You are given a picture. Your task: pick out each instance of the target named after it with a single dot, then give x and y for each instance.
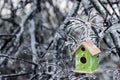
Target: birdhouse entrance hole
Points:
(83, 49)
(83, 60)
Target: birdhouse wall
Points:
(84, 61)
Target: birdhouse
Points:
(86, 60)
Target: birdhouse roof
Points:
(90, 46)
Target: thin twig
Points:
(113, 9)
(15, 75)
(72, 13)
(19, 59)
(104, 7)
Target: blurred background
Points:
(37, 38)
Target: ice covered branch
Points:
(33, 42)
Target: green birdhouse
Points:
(86, 60)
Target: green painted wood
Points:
(91, 61)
